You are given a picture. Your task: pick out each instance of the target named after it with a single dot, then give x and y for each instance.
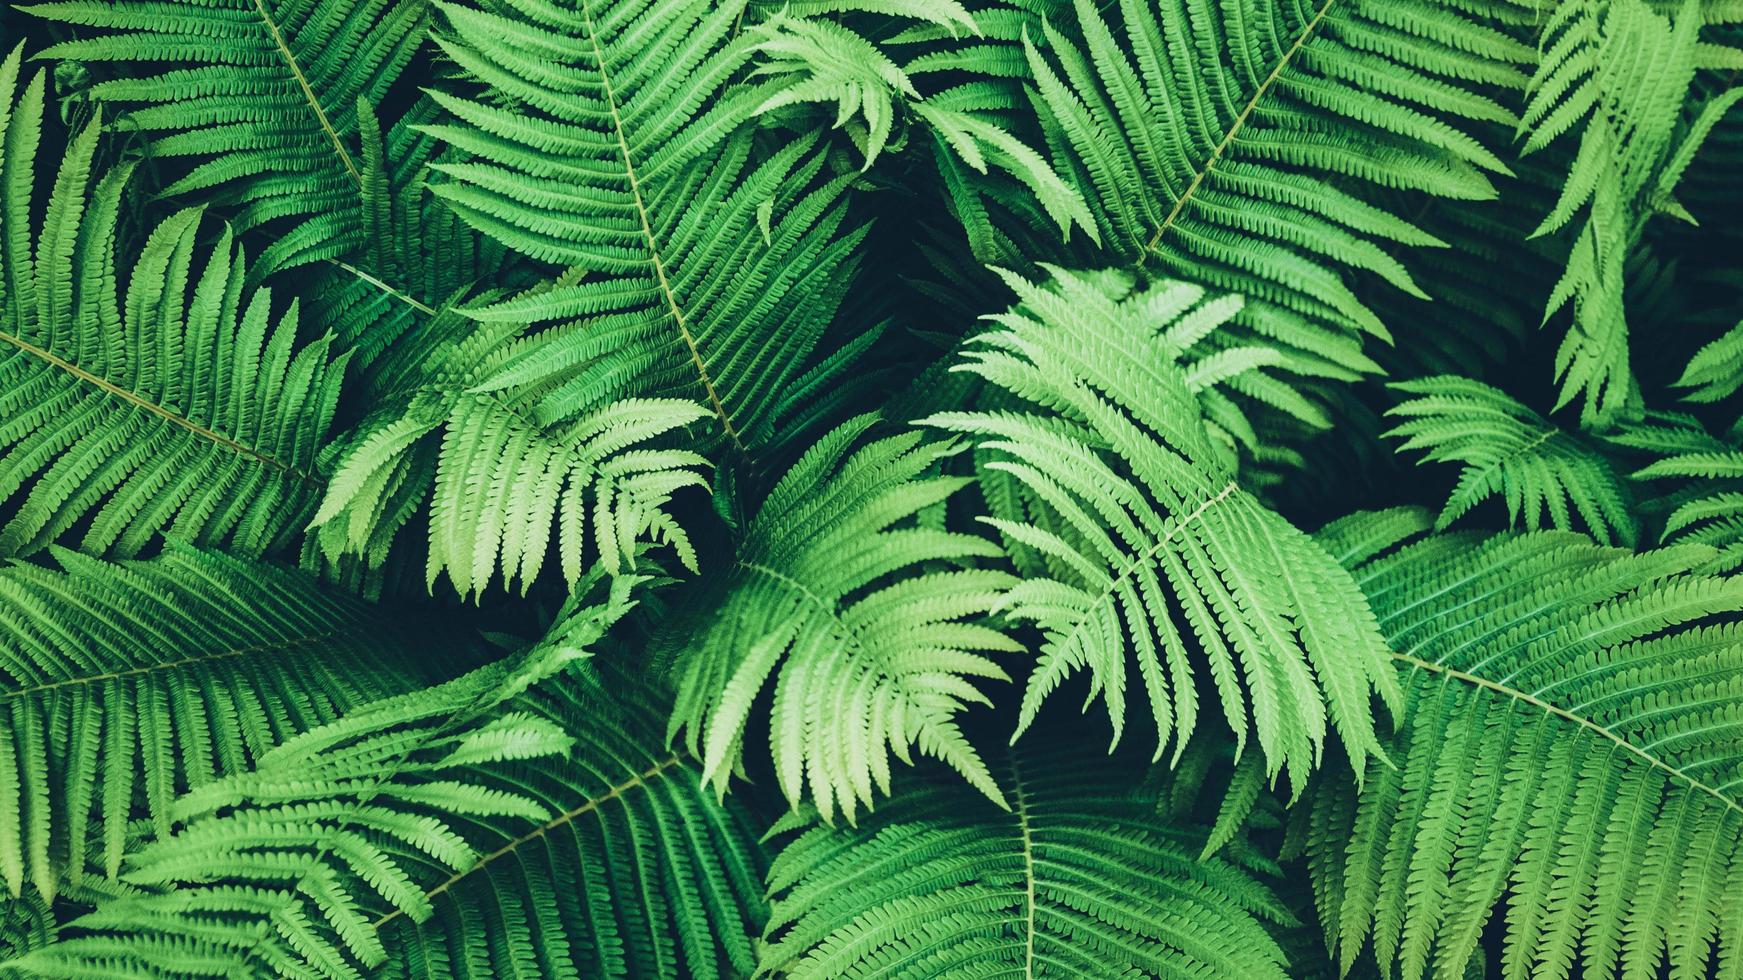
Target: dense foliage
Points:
(871, 488)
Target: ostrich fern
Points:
(638, 488)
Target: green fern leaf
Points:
(1570, 737)
(285, 869)
(179, 408)
(860, 617)
(1229, 144)
(1151, 537)
(261, 98)
(1508, 450)
(570, 896)
(1083, 877)
(712, 269)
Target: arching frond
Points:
(1150, 537)
(260, 97)
(1571, 746)
(284, 869)
(504, 488)
(1219, 142)
(1510, 451)
(1084, 876)
(711, 268)
(124, 684)
(858, 612)
(639, 871)
(144, 397)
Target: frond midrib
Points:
(1557, 711)
(290, 60)
(140, 401)
(639, 780)
(1020, 810)
(186, 662)
(1235, 127)
(648, 230)
(1144, 559)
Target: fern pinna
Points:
(871, 488)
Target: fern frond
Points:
(1570, 746)
(504, 486)
(1510, 451)
(260, 97)
(1083, 877)
(1232, 145)
(282, 870)
(1705, 474)
(858, 613)
(127, 683)
(711, 268)
(1150, 536)
(177, 407)
(570, 896)
(1621, 74)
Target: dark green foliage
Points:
(637, 488)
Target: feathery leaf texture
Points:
(862, 616)
(277, 870)
(179, 408)
(1510, 451)
(260, 97)
(1621, 74)
(1219, 142)
(1150, 539)
(569, 897)
(1570, 737)
(710, 269)
(128, 683)
(1082, 877)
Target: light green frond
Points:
(1082, 877)
(1237, 145)
(861, 616)
(570, 896)
(505, 486)
(259, 97)
(143, 393)
(1510, 451)
(710, 268)
(1570, 748)
(127, 683)
(285, 869)
(1151, 539)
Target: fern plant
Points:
(155, 411)
(636, 488)
(1569, 745)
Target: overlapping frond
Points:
(1618, 75)
(144, 397)
(1571, 746)
(711, 268)
(1235, 144)
(1508, 450)
(503, 488)
(286, 868)
(125, 684)
(1084, 876)
(1149, 538)
(1704, 476)
(859, 612)
(570, 896)
(260, 98)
